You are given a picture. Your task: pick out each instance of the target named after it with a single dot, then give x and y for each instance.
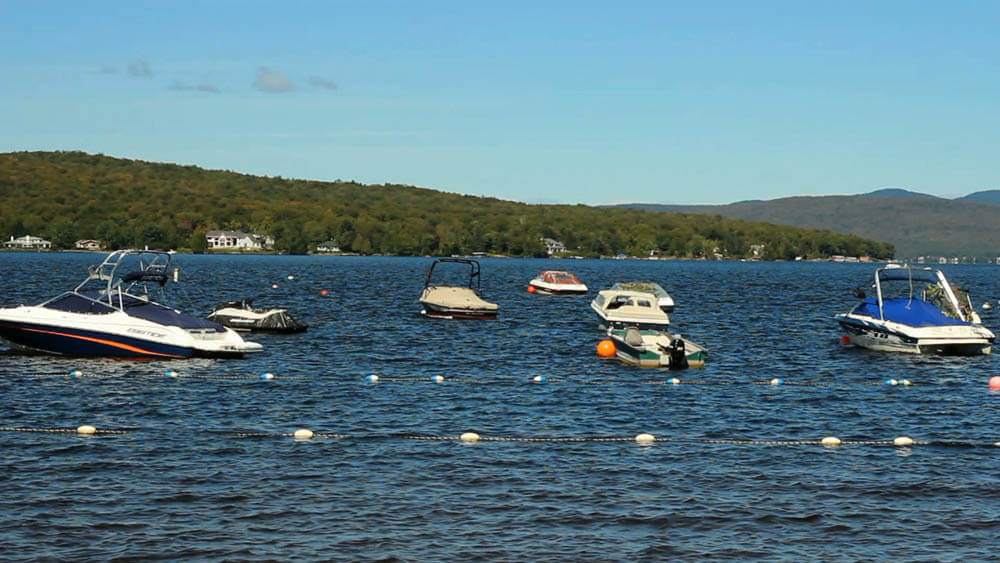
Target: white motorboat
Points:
(663, 299)
(915, 311)
(557, 282)
(619, 308)
(454, 301)
(241, 315)
(655, 348)
(112, 313)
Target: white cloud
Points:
(322, 83)
(272, 81)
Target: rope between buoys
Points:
(534, 439)
(60, 430)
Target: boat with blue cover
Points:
(916, 311)
(112, 313)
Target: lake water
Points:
(205, 467)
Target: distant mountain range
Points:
(917, 224)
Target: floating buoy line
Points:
(644, 438)
(994, 382)
(373, 378)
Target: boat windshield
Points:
(628, 301)
(560, 277)
(908, 285)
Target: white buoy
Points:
(86, 430)
(76, 373)
(903, 441)
(171, 373)
(469, 437)
(830, 441)
(987, 306)
(539, 379)
(891, 382)
(906, 382)
(267, 375)
(777, 381)
(291, 277)
(303, 434)
(645, 438)
(372, 378)
(177, 274)
(675, 381)
(437, 378)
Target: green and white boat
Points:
(656, 348)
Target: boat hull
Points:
(887, 336)
(448, 302)
(436, 311)
(27, 328)
(76, 342)
(544, 288)
(612, 322)
(654, 350)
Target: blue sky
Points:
(550, 102)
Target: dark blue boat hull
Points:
(76, 342)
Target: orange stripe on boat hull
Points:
(111, 343)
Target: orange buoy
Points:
(324, 292)
(531, 289)
(606, 349)
(995, 383)
(845, 339)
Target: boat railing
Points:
(150, 267)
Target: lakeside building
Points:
(553, 246)
(89, 244)
(238, 240)
(328, 246)
(28, 242)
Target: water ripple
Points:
(207, 469)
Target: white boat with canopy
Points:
(619, 308)
(915, 311)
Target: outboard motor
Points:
(678, 355)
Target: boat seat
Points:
(633, 337)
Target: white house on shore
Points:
(328, 246)
(27, 242)
(237, 240)
(553, 246)
(89, 244)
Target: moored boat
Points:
(623, 308)
(557, 282)
(112, 313)
(241, 315)
(915, 311)
(655, 348)
(663, 299)
(453, 301)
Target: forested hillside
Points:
(66, 196)
(916, 224)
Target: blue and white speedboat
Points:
(915, 311)
(112, 314)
